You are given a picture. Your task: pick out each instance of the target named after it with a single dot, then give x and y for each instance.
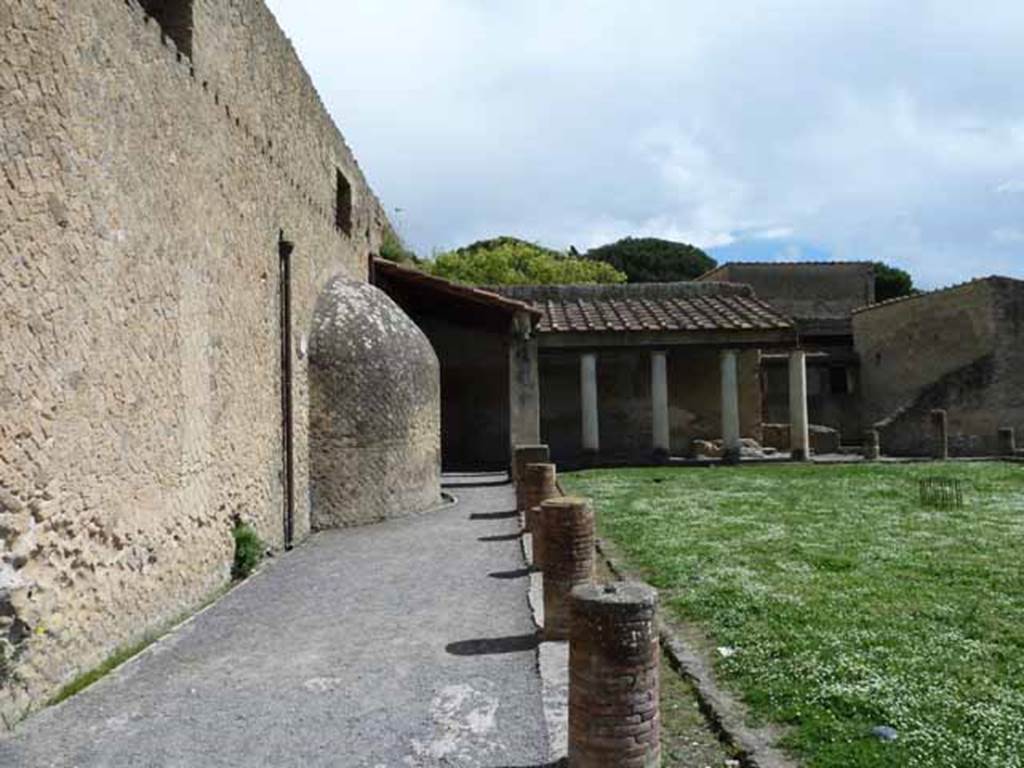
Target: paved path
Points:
(403, 644)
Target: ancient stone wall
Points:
(624, 401)
(805, 290)
(142, 194)
(957, 350)
(907, 345)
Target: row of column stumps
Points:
(1006, 439)
(800, 443)
(614, 651)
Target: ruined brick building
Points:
(886, 366)
(184, 240)
(959, 350)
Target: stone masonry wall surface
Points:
(905, 346)
(958, 350)
(809, 290)
(141, 198)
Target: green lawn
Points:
(844, 604)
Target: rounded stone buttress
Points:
(614, 658)
(374, 412)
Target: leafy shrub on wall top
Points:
(650, 260)
(510, 261)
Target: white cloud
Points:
(1012, 187)
(1008, 235)
(871, 129)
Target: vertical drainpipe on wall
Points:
(284, 251)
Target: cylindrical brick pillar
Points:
(521, 456)
(568, 559)
(872, 445)
(614, 655)
(940, 434)
(1007, 442)
(538, 485)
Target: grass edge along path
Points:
(722, 713)
(836, 605)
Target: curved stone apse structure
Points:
(375, 409)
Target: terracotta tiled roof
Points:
(649, 307)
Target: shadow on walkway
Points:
(500, 537)
(493, 515)
(518, 573)
(491, 645)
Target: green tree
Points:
(892, 282)
(510, 261)
(650, 260)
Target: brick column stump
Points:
(521, 456)
(1007, 442)
(872, 445)
(940, 434)
(568, 559)
(614, 720)
(538, 486)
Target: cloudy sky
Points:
(757, 129)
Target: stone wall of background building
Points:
(808, 289)
(142, 193)
(624, 401)
(957, 350)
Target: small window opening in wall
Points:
(175, 19)
(343, 205)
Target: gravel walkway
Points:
(403, 644)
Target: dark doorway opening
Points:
(284, 254)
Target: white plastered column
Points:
(730, 407)
(588, 402)
(659, 402)
(799, 434)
